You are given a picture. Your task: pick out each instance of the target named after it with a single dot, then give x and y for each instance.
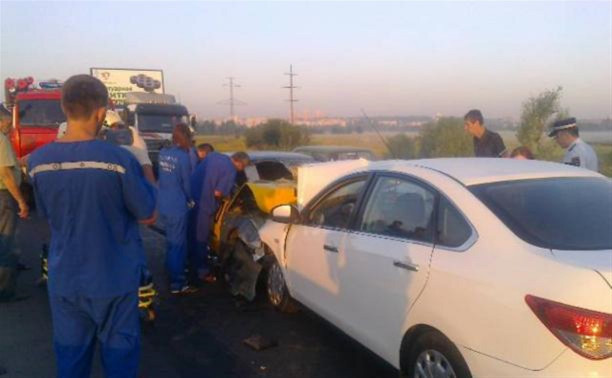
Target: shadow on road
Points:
(196, 336)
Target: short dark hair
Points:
(181, 134)
(474, 115)
(82, 95)
(241, 156)
(522, 151)
(206, 147)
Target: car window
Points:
(453, 229)
(159, 123)
(336, 209)
(273, 171)
(352, 155)
(399, 208)
(556, 213)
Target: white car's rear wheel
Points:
(433, 364)
(434, 356)
(276, 288)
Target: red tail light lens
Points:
(588, 333)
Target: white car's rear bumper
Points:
(567, 364)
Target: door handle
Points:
(407, 266)
(330, 248)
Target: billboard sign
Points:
(120, 81)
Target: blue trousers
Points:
(198, 249)
(80, 322)
(176, 248)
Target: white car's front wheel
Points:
(434, 356)
(276, 288)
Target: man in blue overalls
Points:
(212, 180)
(93, 195)
(174, 203)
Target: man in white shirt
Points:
(577, 152)
(138, 147)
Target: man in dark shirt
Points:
(486, 143)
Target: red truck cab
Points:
(36, 116)
(36, 112)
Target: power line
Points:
(291, 87)
(232, 101)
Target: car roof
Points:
(473, 171)
(325, 148)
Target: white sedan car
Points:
(456, 267)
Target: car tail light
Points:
(588, 333)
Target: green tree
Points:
(276, 134)
(536, 114)
(445, 138)
(402, 147)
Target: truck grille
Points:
(154, 145)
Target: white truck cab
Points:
(154, 115)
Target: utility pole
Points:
(232, 101)
(291, 87)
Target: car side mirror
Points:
(285, 214)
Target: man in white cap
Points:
(137, 146)
(577, 152)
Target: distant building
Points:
(321, 122)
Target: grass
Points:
(227, 143)
(222, 143)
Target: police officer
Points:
(93, 195)
(577, 152)
(486, 143)
(174, 203)
(212, 181)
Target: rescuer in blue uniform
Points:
(93, 195)
(212, 180)
(174, 203)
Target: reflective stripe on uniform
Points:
(77, 165)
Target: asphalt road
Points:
(196, 336)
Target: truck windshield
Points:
(33, 113)
(556, 213)
(159, 123)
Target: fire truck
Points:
(36, 112)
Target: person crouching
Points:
(174, 203)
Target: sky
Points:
(389, 58)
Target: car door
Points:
(313, 247)
(386, 261)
